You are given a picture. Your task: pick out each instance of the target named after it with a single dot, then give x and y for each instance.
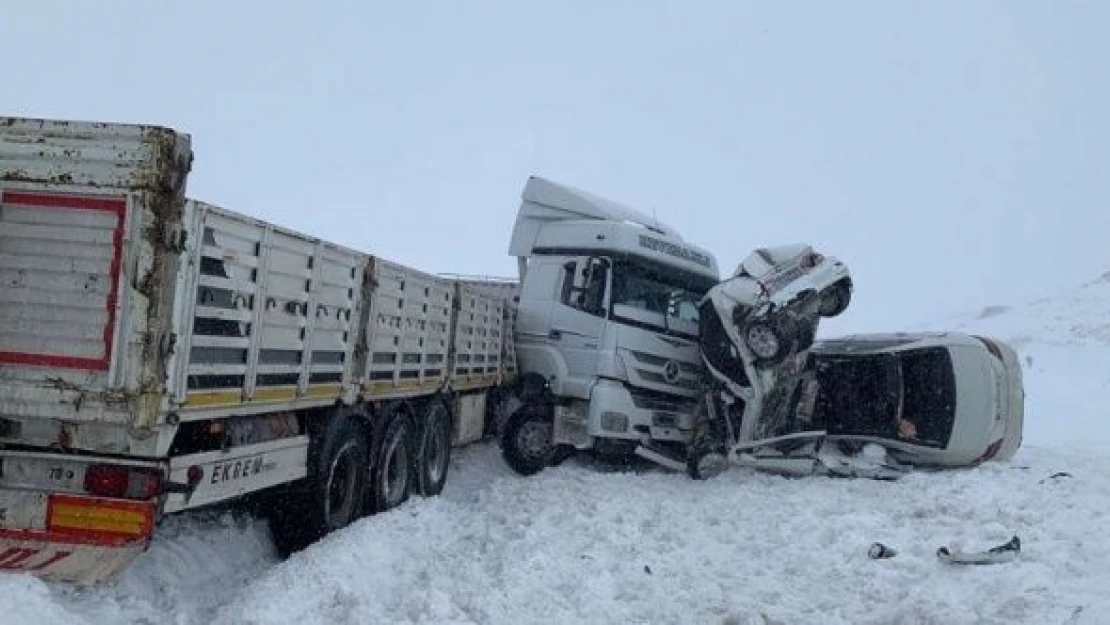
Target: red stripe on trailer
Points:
(114, 205)
(72, 538)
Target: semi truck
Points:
(159, 354)
(607, 331)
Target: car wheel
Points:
(526, 441)
(835, 299)
(765, 341)
(433, 450)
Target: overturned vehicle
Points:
(865, 405)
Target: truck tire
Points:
(526, 442)
(433, 449)
(390, 473)
(333, 494)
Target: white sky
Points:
(954, 153)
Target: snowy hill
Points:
(587, 543)
(1064, 341)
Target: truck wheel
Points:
(835, 299)
(390, 482)
(765, 341)
(433, 450)
(526, 442)
(333, 495)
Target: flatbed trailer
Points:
(160, 354)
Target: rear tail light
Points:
(113, 480)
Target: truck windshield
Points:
(663, 298)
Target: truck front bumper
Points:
(616, 413)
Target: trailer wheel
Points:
(390, 476)
(433, 450)
(333, 494)
(526, 442)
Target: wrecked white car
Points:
(868, 405)
(773, 302)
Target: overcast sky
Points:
(955, 153)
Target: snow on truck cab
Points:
(159, 354)
(606, 332)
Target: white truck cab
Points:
(606, 330)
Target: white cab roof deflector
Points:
(545, 202)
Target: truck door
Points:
(578, 321)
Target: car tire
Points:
(333, 494)
(526, 441)
(835, 299)
(432, 459)
(766, 341)
(391, 474)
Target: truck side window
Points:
(568, 284)
(595, 287)
(584, 284)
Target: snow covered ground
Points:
(590, 543)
